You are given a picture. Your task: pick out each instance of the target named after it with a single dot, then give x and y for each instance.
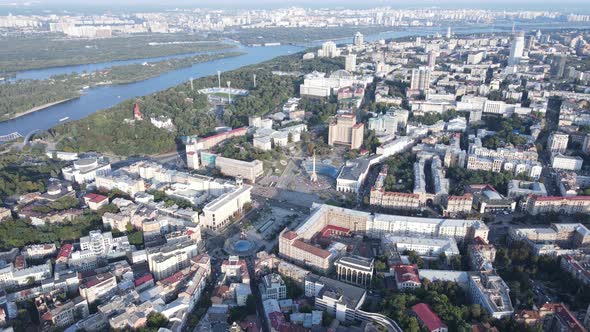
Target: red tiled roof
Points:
(404, 273)
(276, 319)
(65, 251)
(428, 317)
(176, 277)
(233, 131)
(143, 280)
(331, 229)
(97, 279)
(559, 198)
(483, 327)
(290, 327)
(399, 194)
(95, 198)
(466, 197)
(290, 235)
(221, 290)
(311, 249)
(46, 317)
(568, 318)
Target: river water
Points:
(99, 98)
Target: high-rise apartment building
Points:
(350, 62)
(431, 59)
(517, 49)
(345, 130)
(329, 50)
(358, 39)
(420, 79)
(558, 66)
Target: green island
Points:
(35, 52)
(107, 131)
(22, 97)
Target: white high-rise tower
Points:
(358, 39)
(350, 62)
(517, 49)
(420, 79)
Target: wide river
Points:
(99, 98)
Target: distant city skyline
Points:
(151, 5)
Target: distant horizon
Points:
(17, 7)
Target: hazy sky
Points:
(136, 4)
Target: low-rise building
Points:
(564, 205)
(39, 251)
(428, 318)
(339, 299)
(562, 319)
(557, 239)
(247, 170)
(95, 201)
(578, 267)
(378, 197)
(458, 205)
(481, 255)
(518, 189)
(406, 276)
(273, 287)
(85, 170)
(352, 175)
(120, 180)
(570, 163)
(491, 292)
(355, 270)
(297, 245)
(423, 246)
(168, 259)
(219, 212)
(488, 200)
(55, 314)
(98, 286)
(11, 275)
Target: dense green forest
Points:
(460, 177)
(21, 96)
(33, 52)
(400, 173)
(18, 233)
(518, 266)
(446, 299)
(508, 131)
(107, 130)
(241, 148)
(18, 177)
